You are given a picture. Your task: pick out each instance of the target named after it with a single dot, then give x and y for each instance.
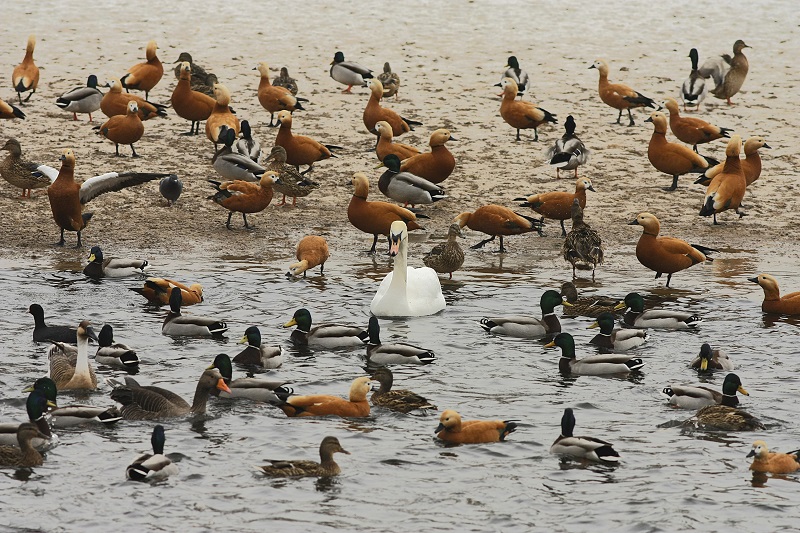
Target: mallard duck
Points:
(36, 406)
(115, 102)
(82, 99)
(557, 205)
(386, 144)
(356, 405)
(400, 400)
(301, 150)
(635, 316)
(453, 430)
(25, 455)
(726, 190)
(788, 304)
(294, 468)
(324, 335)
(159, 291)
(436, 165)
(284, 80)
(258, 353)
(497, 220)
(312, 251)
(618, 95)
(77, 373)
(724, 418)
(196, 70)
(692, 130)
(447, 257)
(390, 81)
(398, 353)
(152, 466)
(233, 165)
(711, 359)
(728, 72)
(582, 246)
(24, 174)
(374, 112)
(112, 267)
(9, 111)
(256, 389)
(568, 152)
(243, 197)
(44, 333)
(665, 254)
(673, 158)
(591, 306)
(514, 72)
(581, 447)
(593, 365)
(522, 115)
(406, 291)
(406, 187)
(348, 72)
(526, 326)
(176, 324)
(246, 144)
(274, 98)
(694, 90)
(290, 181)
(773, 462)
(73, 415)
(617, 340)
(149, 403)
(114, 353)
(170, 188)
(697, 397)
(221, 115)
(751, 164)
(26, 75)
(145, 76)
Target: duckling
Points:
(398, 353)
(256, 389)
(751, 165)
(26, 75)
(617, 340)
(377, 217)
(522, 115)
(593, 365)
(694, 90)
(294, 468)
(497, 220)
(389, 80)
(44, 333)
(285, 81)
(159, 290)
(112, 353)
(115, 102)
(325, 335)
(405, 186)
(635, 316)
(711, 359)
(110, 267)
(665, 254)
(348, 73)
(789, 304)
(591, 306)
(618, 95)
(221, 115)
(170, 188)
(692, 130)
(557, 205)
(514, 72)
(290, 182)
(152, 403)
(581, 447)
(773, 462)
(176, 324)
(145, 76)
(436, 165)
(126, 129)
(356, 405)
(582, 246)
(246, 145)
(529, 327)
(274, 98)
(82, 99)
(373, 112)
(152, 466)
(385, 145)
(189, 104)
(568, 152)
(312, 251)
(447, 257)
(453, 430)
(673, 158)
(243, 197)
(403, 401)
(232, 165)
(9, 111)
(735, 69)
(22, 173)
(258, 353)
(697, 397)
(72, 371)
(300, 150)
(26, 455)
(36, 407)
(727, 188)
(73, 415)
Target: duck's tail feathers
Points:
(511, 427)
(301, 99)
(708, 208)
(87, 216)
(298, 105)
(218, 328)
(634, 364)
(561, 159)
(536, 224)
(607, 453)
(710, 160)
(703, 180)
(62, 103)
(642, 100)
(725, 132)
(487, 324)
(17, 112)
(363, 336)
(705, 250)
(411, 123)
(110, 416)
(548, 116)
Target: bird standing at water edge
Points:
(243, 197)
(582, 246)
(448, 257)
(672, 158)
(312, 251)
(557, 205)
(497, 220)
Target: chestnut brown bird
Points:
(618, 95)
(26, 75)
(274, 98)
(115, 102)
(190, 104)
(300, 150)
(519, 114)
(144, 76)
(497, 220)
(126, 129)
(243, 196)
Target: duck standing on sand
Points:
(568, 152)
(751, 165)
(144, 76)
(694, 90)
(557, 205)
(406, 187)
(727, 188)
(495, 220)
(521, 115)
(243, 197)
(300, 150)
(26, 75)
(348, 72)
(390, 81)
(514, 72)
(189, 104)
(436, 165)
(728, 72)
(618, 95)
(373, 112)
(672, 158)
(22, 173)
(290, 182)
(126, 129)
(82, 99)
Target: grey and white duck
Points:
(84, 100)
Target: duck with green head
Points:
(635, 315)
(256, 389)
(711, 359)
(697, 397)
(327, 335)
(528, 326)
(36, 406)
(593, 365)
(72, 415)
(258, 353)
(617, 340)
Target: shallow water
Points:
(398, 477)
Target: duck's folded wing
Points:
(244, 162)
(115, 181)
(355, 67)
(79, 93)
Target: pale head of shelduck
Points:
(133, 107)
(267, 179)
(659, 121)
(752, 145)
(115, 86)
(584, 184)
(768, 283)
(441, 136)
(263, 68)
(734, 147)
(602, 67)
(186, 70)
(285, 119)
(376, 88)
(361, 184)
(510, 88)
(197, 289)
(221, 94)
(150, 52)
(67, 158)
(450, 421)
(760, 450)
(360, 388)
(462, 219)
(384, 129)
(672, 106)
(649, 222)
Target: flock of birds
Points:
(412, 178)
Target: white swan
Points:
(406, 291)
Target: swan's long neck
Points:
(82, 363)
(400, 276)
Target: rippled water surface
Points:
(398, 477)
